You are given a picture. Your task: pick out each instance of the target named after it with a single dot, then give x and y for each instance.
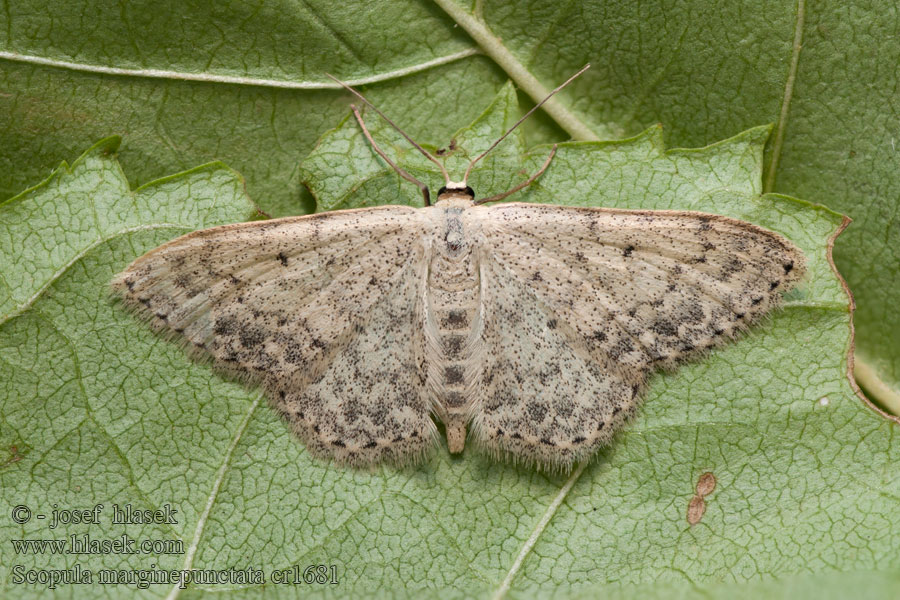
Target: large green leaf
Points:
(189, 82)
(99, 409)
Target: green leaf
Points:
(187, 83)
(99, 409)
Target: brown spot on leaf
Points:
(695, 511)
(706, 484)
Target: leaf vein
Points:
(538, 530)
(213, 494)
(81, 254)
(778, 143)
(233, 79)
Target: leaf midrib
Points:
(234, 79)
(780, 128)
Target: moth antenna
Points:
(519, 122)
(401, 172)
(525, 183)
(425, 152)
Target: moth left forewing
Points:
(299, 277)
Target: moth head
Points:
(450, 187)
(455, 189)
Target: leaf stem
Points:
(494, 48)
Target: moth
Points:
(529, 329)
